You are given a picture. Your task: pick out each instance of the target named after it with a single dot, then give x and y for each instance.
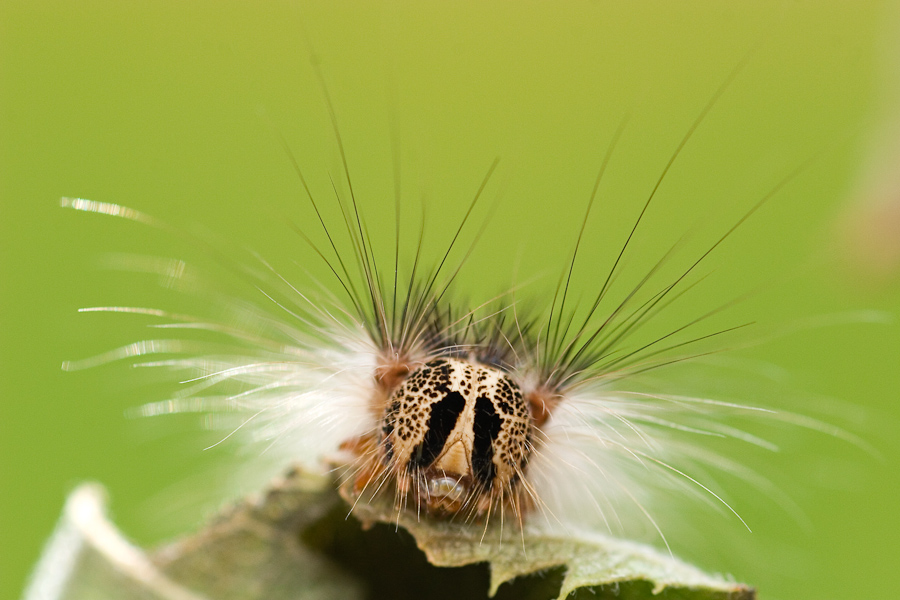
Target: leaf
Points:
(588, 560)
(297, 542)
(250, 552)
(253, 552)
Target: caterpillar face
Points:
(459, 433)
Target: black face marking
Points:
(486, 429)
(444, 414)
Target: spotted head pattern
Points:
(457, 433)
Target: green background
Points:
(176, 109)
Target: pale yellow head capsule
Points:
(459, 433)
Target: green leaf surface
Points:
(589, 561)
(297, 541)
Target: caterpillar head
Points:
(457, 435)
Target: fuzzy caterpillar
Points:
(490, 412)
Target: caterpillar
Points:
(495, 410)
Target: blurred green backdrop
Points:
(176, 108)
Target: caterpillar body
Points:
(478, 413)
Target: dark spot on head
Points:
(444, 414)
(486, 429)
